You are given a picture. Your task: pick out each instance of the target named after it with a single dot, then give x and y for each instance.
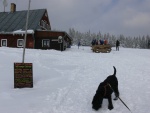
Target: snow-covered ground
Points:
(65, 82)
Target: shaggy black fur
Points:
(105, 89)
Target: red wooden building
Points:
(39, 35)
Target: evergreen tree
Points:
(129, 42)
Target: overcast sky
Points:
(127, 17)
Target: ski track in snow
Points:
(65, 82)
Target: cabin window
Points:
(44, 24)
(48, 27)
(20, 43)
(45, 43)
(4, 42)
(46, 14)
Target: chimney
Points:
(13, 7)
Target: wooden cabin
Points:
(39, 34)
(50, 40)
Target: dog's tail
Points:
(114, 71)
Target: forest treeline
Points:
(127, 42)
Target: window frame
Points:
(18, 42)
(2, 42)
(46, 43)
(46, 14)
(45, 24)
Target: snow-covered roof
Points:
(23, 32)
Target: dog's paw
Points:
(116, 98)
(110, 107)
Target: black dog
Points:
(105, 89)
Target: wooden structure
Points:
(50, 40)
(101, 48)
(41, 37)
(23, 75)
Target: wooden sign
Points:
(23, 75)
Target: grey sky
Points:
(127, 17)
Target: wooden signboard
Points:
(23, 75)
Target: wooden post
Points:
(26, 33)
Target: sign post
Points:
(5, 4)
(23, 72)
(26, 33)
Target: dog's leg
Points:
(101, 101)
(110, 105)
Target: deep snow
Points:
(65, 82)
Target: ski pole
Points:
(124, 104)
(120, 99)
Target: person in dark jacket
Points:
(79, 44)
(117, 45)
(93, 42)
(101, 42)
